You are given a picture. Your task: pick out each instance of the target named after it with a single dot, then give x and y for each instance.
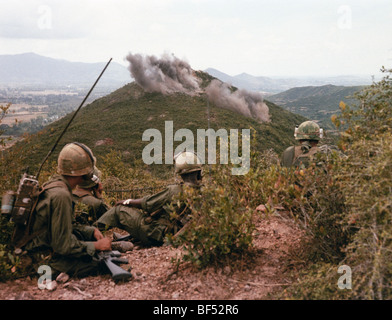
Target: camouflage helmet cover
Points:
(75, 159)
(186, 162)
(308, 130)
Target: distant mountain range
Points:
(269, 85)
(33, 69)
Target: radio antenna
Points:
(73, 116)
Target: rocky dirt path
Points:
(154, 278)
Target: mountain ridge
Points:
(33, 69)
(275, 85)
(316, 102)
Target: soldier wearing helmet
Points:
(71, 247)
(150, 218)
(89, 192)
(309, 134)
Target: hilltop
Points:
(118, 120)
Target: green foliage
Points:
(319, 281)
(363, 179)
(221, 224)
(4, 110)
(125, 114)
(366, 176)
(316, 102)
(7, 264)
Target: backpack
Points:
(23, 211)
(302, 159)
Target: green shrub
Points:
(221, 225)
(363, 178)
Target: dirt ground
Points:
(154, 276)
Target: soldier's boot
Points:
(122, 246)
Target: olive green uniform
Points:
(96, 207)
(71, 246)
(299, 156)
(150, 224)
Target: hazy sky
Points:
(263, 38)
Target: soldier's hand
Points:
(127, 202)
(98, 234)
(123, 202)
(104, 244)
(98, 190)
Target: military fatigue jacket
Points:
(150, 224)
(55, 211)
(298, 156)
(152, 203)
(96, 206)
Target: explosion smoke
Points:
(249, 104)
(165, 75)
(169, 74)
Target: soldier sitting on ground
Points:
(149, 219)
(90, 194)
(71, 247)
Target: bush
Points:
(363, 180)
(221, 225)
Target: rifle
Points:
(110, 258)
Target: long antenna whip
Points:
(73, 116)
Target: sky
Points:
(262, 38)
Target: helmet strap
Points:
(87, 151)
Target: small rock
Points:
(24, 296)
(175, 295)
(51, 285)
(62, 278)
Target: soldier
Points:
(89, 192)
(70, 247)
(149, 219)
(309, 134)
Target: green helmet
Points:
(186, 162)
(89, 183)
(308, 130)
(75, 159)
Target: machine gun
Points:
(110, 258)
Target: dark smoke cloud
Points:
(249, 104)
(167, 74)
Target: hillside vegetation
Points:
(341, 203)
(316, 103)
(118, 120)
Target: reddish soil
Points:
(264, 276)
